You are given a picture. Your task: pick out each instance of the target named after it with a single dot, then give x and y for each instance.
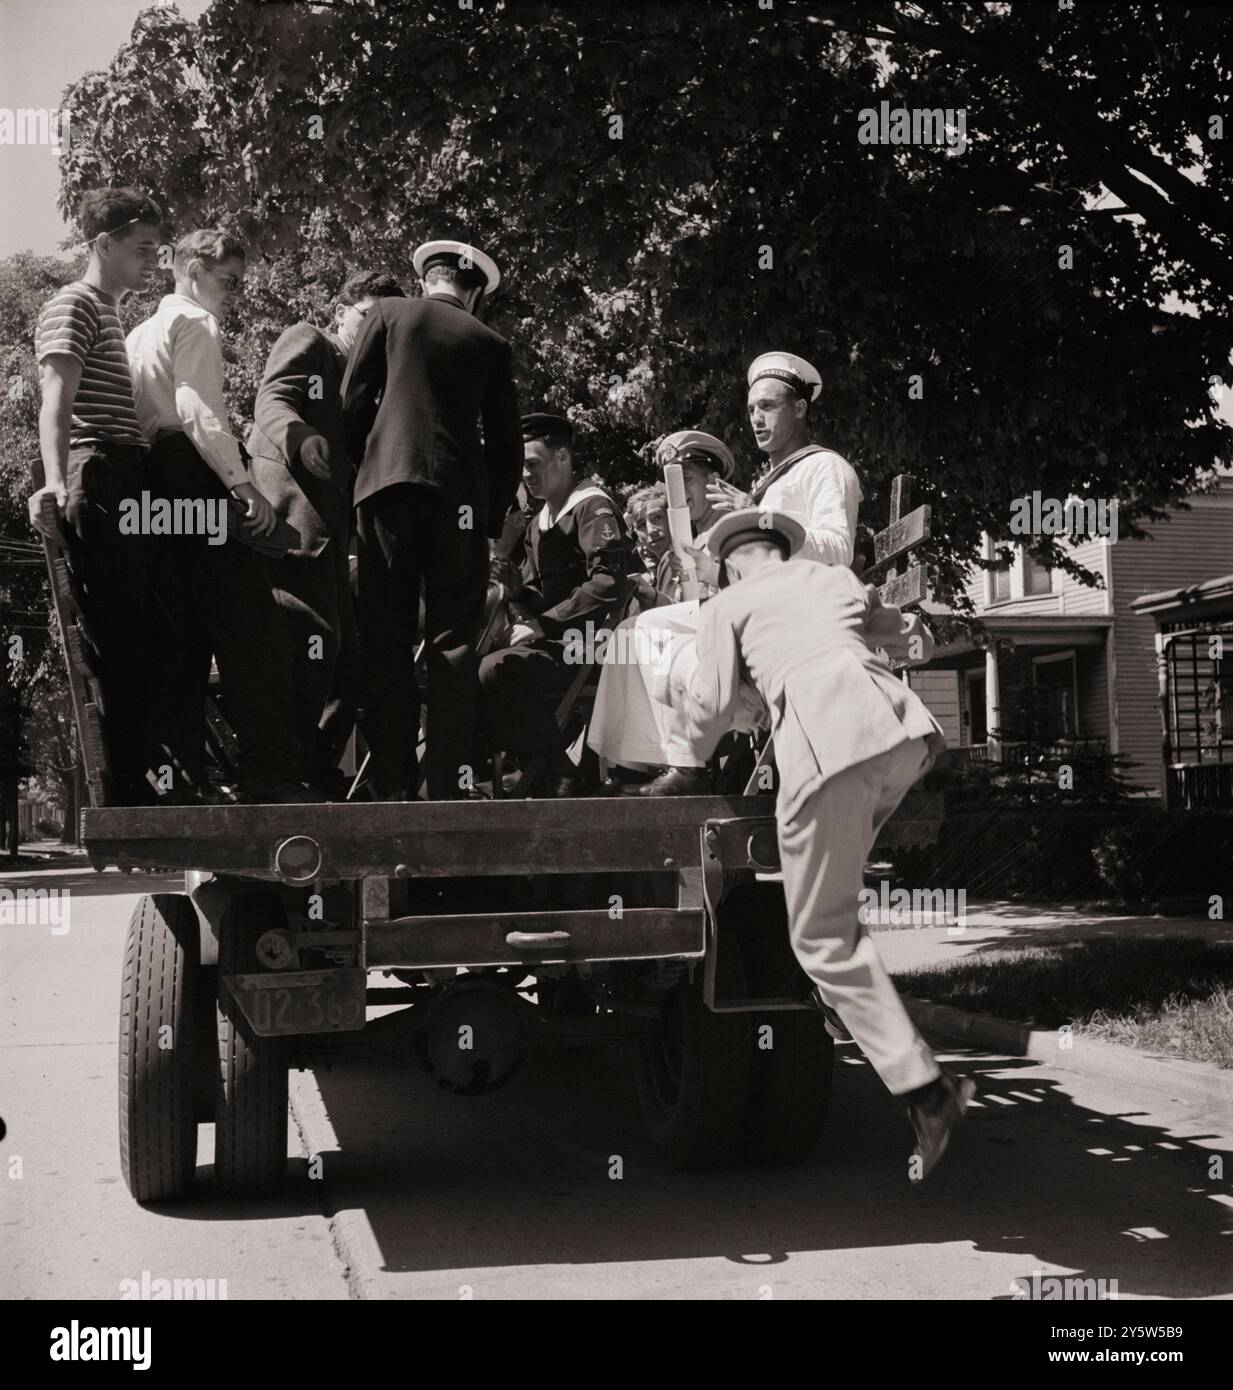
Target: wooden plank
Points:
(901, 495)
(574, 815)
(578, 816)
(903, 589)
(63, 587)
(452, 839)
(900, 536)
(87, 712)
(80, 653)
(442, 839)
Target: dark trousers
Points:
(314, 595)
(520, 689)
(407, 536)
(112, 571)
(218, 601)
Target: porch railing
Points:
(1199, 786)
(1010, 749)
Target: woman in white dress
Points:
(631, 728)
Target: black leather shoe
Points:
(566, 786)
(934, 1114)
(623, 780)
(677, 781)
(513, 781)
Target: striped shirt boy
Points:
(81, 321)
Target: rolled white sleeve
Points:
(197, 366)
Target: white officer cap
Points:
(686, 444)
(459, 255)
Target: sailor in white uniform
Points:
(815, 486)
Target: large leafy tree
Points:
(1132, 97)
(673, 188)
(34, 703)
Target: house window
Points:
(1037, 578)
(978, 728)
(1057, 695)
(1001, 585)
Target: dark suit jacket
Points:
(300, 395)
(422, 375)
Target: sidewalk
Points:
(33, 855)
(995, 925)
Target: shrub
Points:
(1126, 853)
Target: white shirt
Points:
(176, 359)
(823, 494)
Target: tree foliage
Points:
(34, 702)
(737, 212)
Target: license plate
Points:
(301, 1001)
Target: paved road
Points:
(70, 1228)
(514, 1195)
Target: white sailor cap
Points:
(787, 367)
(459, 255)
(696, 444)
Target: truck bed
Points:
(448, 839)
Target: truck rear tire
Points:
(791, 1067)
(789, 1090)
(250, 1096)
(159, 1000)
(693, 1086)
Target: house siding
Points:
(1191, 547)
(1076, 597)
(940, 691)
(1068, 596)
(1091, 669)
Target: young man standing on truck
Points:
(850, 739)
(300, 466)
(94, 458)
(217, 594)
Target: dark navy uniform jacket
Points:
(574, 570)
(288, 411)
(423, 374)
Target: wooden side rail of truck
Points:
(503, 928)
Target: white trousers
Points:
(823, 848)
(629, 726)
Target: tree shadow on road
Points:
(525, 1177)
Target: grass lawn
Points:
(1173, 997)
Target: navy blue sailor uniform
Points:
(573, 576)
